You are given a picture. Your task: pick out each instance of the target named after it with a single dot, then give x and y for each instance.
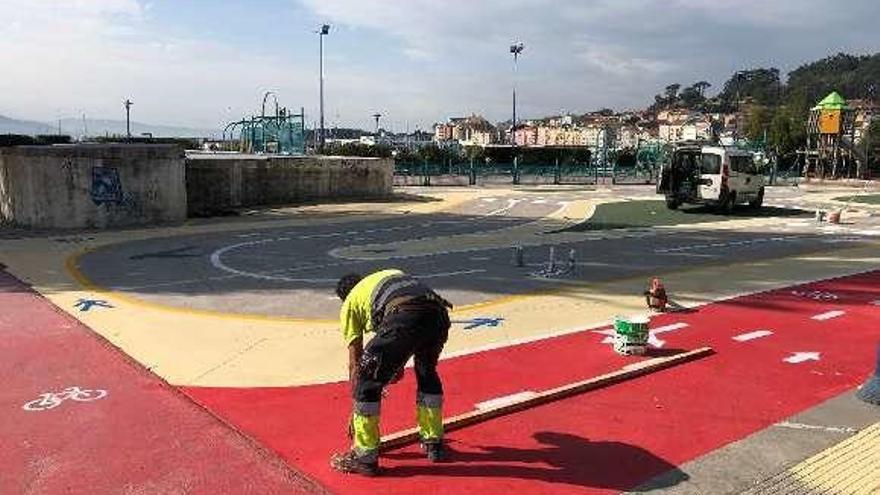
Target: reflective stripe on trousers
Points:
(430, 417)
(365, 428)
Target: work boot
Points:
(348, 462)
(434, 451)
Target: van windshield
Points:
(711, 165)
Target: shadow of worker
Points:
(563, 458)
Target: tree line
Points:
(777, 109)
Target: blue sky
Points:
(202, 63)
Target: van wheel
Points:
(672, 204)
(758, 201)
(728, 203)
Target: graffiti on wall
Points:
(106, 186)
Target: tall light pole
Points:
(324, 31)
(377, 116)
(128, 103)
(515, 49)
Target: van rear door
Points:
(710, 175)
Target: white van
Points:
(720, 176)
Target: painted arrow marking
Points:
(800, 357)
(757, 334)
(829, 315)
(652, 334)
(84, 305)
(480, 322)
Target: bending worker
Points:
(409, 319)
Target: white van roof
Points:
(720, 150)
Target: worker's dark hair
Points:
(346, 283)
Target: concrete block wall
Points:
(218, 182)
(92, 185)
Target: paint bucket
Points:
(631, 335)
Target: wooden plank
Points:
(634, 370)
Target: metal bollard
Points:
(571, 261)
(552, 264)
(518, 256)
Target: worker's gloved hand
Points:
(397, 376)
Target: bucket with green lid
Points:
(631, 334)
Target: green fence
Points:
(470, 173)
(466, 173)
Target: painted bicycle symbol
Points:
(818, 295)
(50, 400)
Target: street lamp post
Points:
(377, 116)
(515, 49)
(324, 31)
(128, 103)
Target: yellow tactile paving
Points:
(851, 467)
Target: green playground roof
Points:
(831, 102)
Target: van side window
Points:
(742, 164)
(711, 165)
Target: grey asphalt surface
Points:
(288, 271)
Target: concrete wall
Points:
(219, 182)
(92, 186)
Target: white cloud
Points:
(426, 60)
(70, 57)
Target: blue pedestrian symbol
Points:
(480, 322)
(86, 304)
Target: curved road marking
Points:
(509, 206)
(217, 262)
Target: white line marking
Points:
(829, 315)
(800, 357)
(539, 201)
(490, 200)
(728, 244)
(802, 426)
(509, 206)
(652, 334)
(507, 399)
(757, 334)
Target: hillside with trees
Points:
(778, 109)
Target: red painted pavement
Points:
(142, 437)
(604, 441)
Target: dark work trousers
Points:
(418, 330)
